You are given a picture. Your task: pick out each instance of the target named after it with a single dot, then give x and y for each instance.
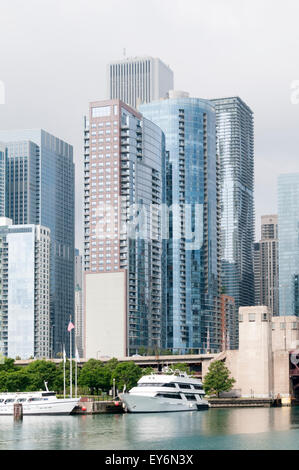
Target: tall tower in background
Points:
(288, 236)
(266, 276)
(40, 186)
(193, 249)
(79, 314)
(235, 147)
(123, 256)
(138, 80)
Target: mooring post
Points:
(18, 411)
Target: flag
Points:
(77, 355)
(64, 355)
(70, 327)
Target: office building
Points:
(193, 256)
(229, 323)
(288, 229)
(123, 259)
(79, 319)
(266, 275)
(235, 147)
(139, 80)
(25, 290)
(40, 190)
(3, 169)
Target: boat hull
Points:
(146, 404)
(57, 407)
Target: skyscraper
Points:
(40, 187)
(79, 320)
(123, 259)
(25, 290)
(266, 263)
(3, 169)
(288, 230)
(138, 80)
(235, 147)
(193, 256)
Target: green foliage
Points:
(96, 376)
(126, 373)
(218, 379)
(148, 371)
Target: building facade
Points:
(235, 147)
(138, 80)
(229, 323)
(79, 315)
(25, 290)
(123, 259)
(40, 189)
(3, 170)
(288, 229)
(193, 263)
(266, 265)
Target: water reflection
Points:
(214, 428)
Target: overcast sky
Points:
(53, 56)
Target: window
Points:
(172, 385)
(101, 111)
(251, 317)
(283, 326)
(175, 396)
(198, 387)
(185, 386)
(264, 317)
(190, 397)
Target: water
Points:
(255, 428)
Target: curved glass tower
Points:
(193, 263)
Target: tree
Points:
(95, 376)
(218, 379)
(126, 373)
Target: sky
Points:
(53, 57)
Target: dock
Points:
(243, 402)
(98, 407)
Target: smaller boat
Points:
(37, 403)
(167, 392)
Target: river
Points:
(231, 428)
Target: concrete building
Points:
(266, 271)
(124, 251)
(266, 363)
(235, 147)
(193, 249)
(25, 290)
(40, 190)
(138, 80)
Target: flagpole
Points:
(64, 371)
(71, 372)
(76, 365)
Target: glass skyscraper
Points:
(24, 290)
(193, 318)
(288, 241)
(40, 190)
(235, 147)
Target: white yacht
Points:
(37, 403)
(166, 392)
